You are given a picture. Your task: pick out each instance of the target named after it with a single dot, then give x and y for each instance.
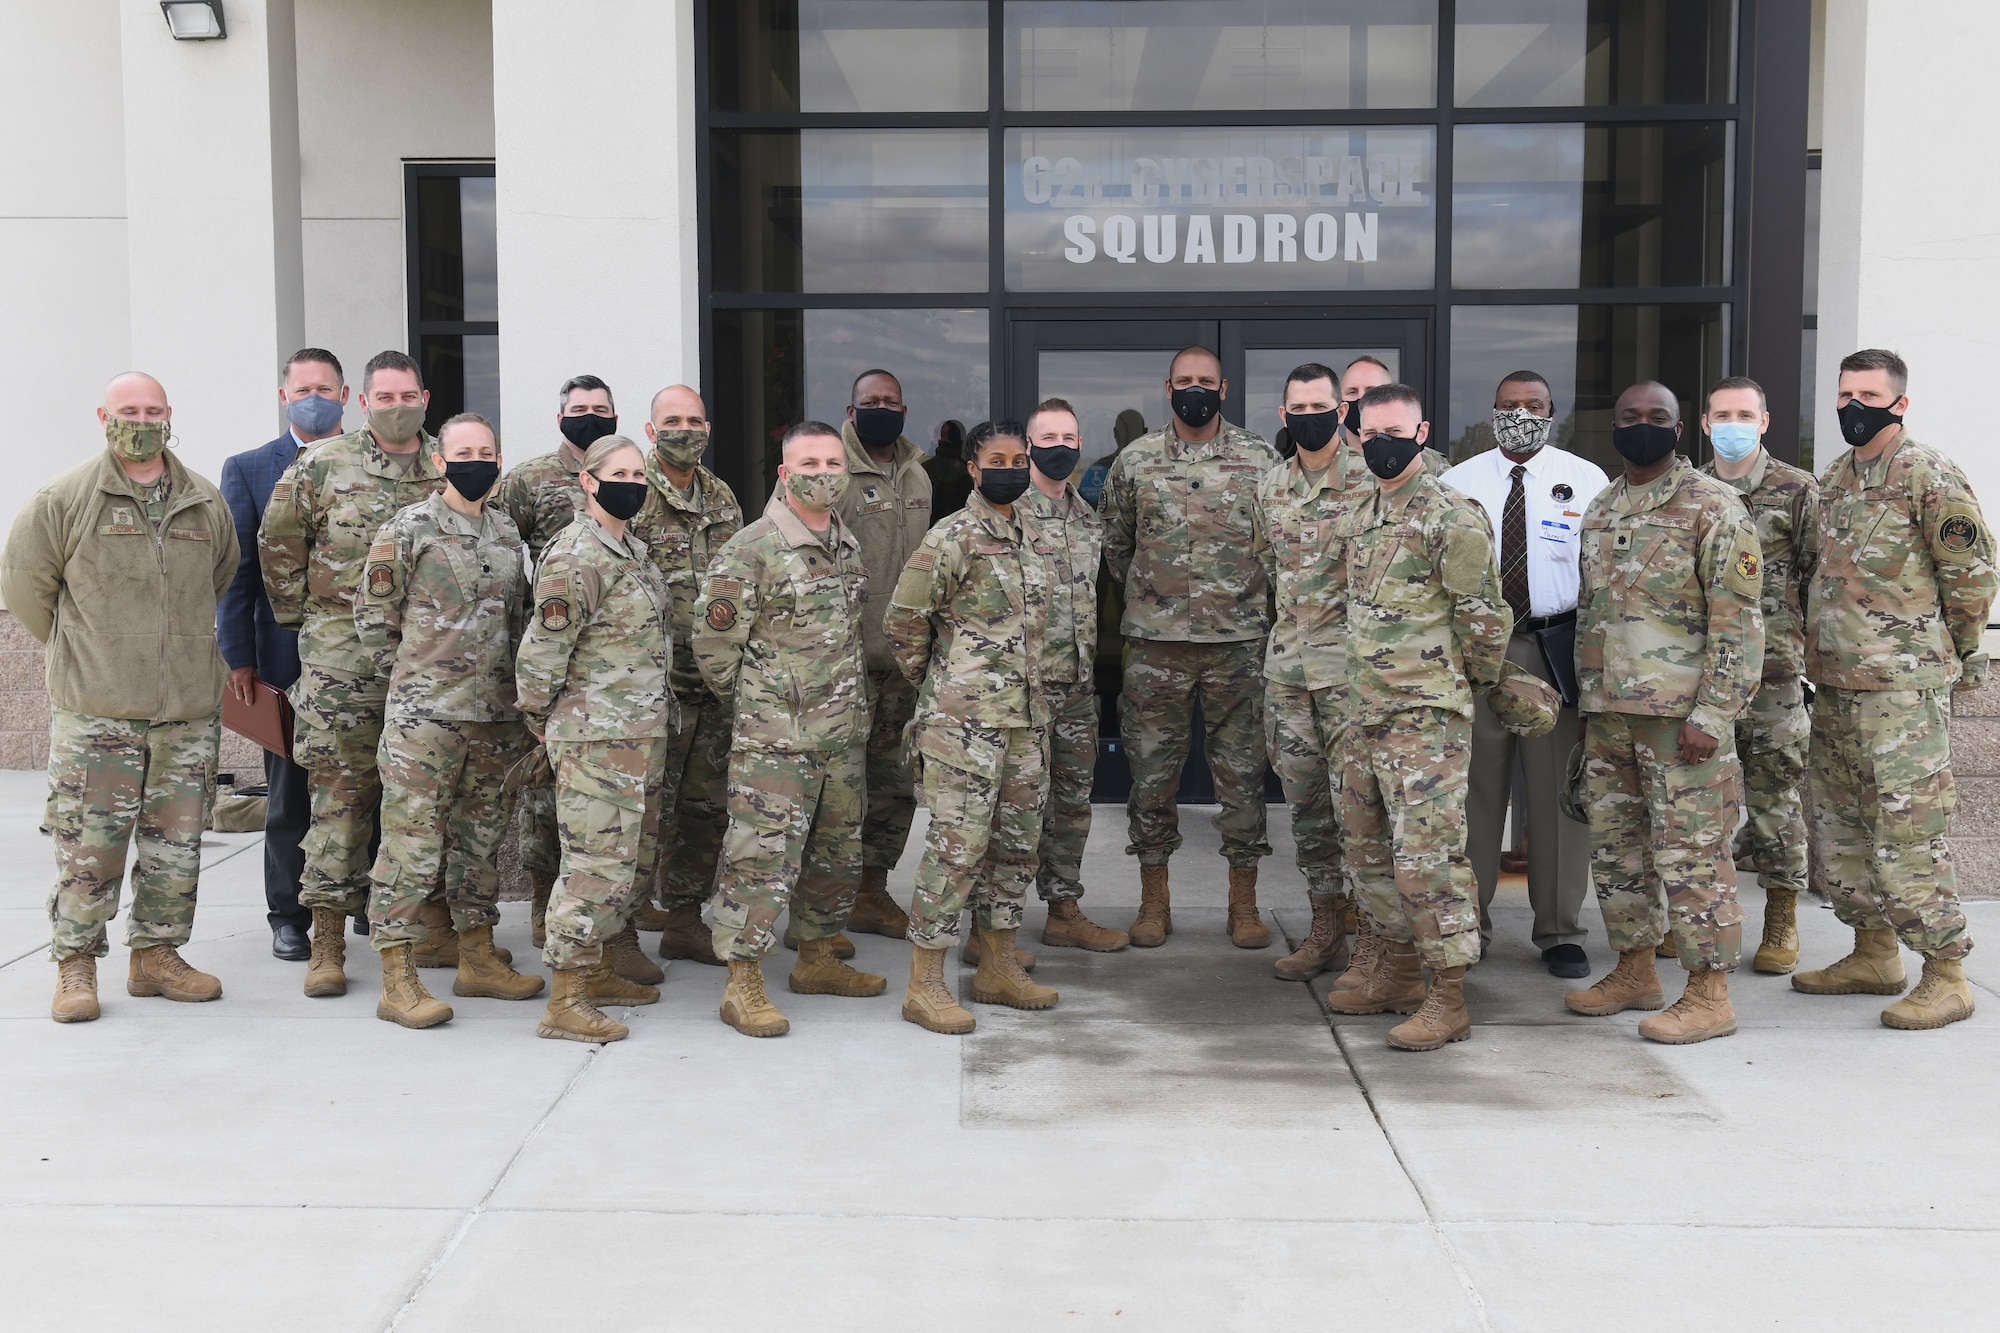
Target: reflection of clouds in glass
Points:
(939, 357)
(893, 210)
(1517, 205)
(1503, 63)
(938, 52)
(482, 376)
(480, 239)
(1490, 341)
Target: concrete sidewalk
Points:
(1184, 1143)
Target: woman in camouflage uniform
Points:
(592, 679)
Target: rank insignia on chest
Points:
(1561, 493)
(381, 581)
(1958, 533)
(1746, 564)
(555, 614)
(123, 517)
(721, 614)
(870, 494)
(1622, 542)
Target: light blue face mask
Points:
(315, 415)
(1733, 440)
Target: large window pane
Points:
(462, 372)
(849, 210)
(1594, 52)
(1163, 209)
(847, 55)
(1589, 355)
(1591, 205)
(1264, 371)
(1220, 55)
(457, 260)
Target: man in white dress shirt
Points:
(1534, 495)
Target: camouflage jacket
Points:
(1905, 574)
(543, 496)
(778, 628)
(1297, 545)
(594, 660)
(1181, 536)
(888, 509)
(682, 534)
(441, 612)
(1667, 601)
(967, 620)
(323, 515)
(1784, 506)
(1428, 625)
(1069, 538)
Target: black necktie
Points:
(1514, 548)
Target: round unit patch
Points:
(381, 580)
(721, 614)
(1958, 533)
(1562, 493)
(555, 613)
(1746, 565)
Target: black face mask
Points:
(1860, 423)
(1351, 423)
(472, 477)
(878, 427)
(1196, 405)
(1002, 485)
(1643, 444)
(586, 430)
(1388, 455)
(1312, 431)
(620, 499)
(1056, 461)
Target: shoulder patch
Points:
(553, 583)
(554, 613)
(381, 580)
(923, 559)
(282, 492)
(1958, 533)
(1466, 556)
(725, 588)
(382, 551)
(1745, 574)
(721, 612)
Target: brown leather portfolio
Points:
(266, 720)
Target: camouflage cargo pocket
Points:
(1904, 734)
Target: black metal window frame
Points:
(1763, 298)
(413, 295)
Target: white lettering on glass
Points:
(1239, 238)
(1076, 230)
(1361, 237)
(1121, 238)
(1159, 231)
(1200, 242)
(1322, 237)
(1280, 247)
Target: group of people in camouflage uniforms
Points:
(692, 711)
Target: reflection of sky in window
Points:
(479, 237)
(935, 55)
(482, 376)
(1517, 205)
(893, 210)
(1490, 341)
(1513, 54)
(1100, 385)
(1265, 368)
(939, 357)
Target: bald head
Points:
(136, 396)
(1648, 400)
(677, 407)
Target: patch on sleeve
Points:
(555, 614)
(913, 589)
(282, 492)
(721, 612)
(554, 583)
(381, 579)
(1959, 533)
(1745, 575)
(1466, 556)
(725, 588)
(923, 559)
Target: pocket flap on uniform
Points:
(1906, 732)
(976, 750)
(1438, 772)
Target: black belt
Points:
(1533, 623)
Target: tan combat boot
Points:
(1779, 953)
(1156, 914)
(439, 947)
(1703, 1011)
(1068, 928)
(573, 1016)
(1396, 983)
(651, 918)
(624, 956)
(404, 999)
(538, 906)
(928, 1001)
(325, 974)
(875, 912)
(842, 946)
(746, 1007)
(1321, 945)
(970, 951)
(1633, 984)
(76, 989)
(1246, 929)
(687, 936)
(1941, 997)
(607, 987)
(820, 971)
(1364, 957)
(1666, 948)
(1874, 968)
(160, 970)
(483, 973)
(1000, 978)
(1442, 1018)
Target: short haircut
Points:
(804, 429)
(855, 387)
(1382, 395)
(318, 356)
(1526, 377)
(605, 446)
(653, 406)
(1310, 371)
(1194, 349)
(1366, 360)
(390, 360)
(1735, 382)
(467, 419)
(576, 382)
(988, 431)
(1877, 358)
(1054, 405)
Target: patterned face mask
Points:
(816, 490)
(681, 449)
(1520, 431)
(136, 441)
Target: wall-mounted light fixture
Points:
(194, 20)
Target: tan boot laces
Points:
(74, 974)
(1775, 926)
(1323, 932)
(1928, 987)
(1367, 946)
(168, 963)
(753, 988)
(1431, 1013)
(327, 947)
(934, 989)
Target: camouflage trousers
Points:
(794, 841)
(892, 794)
(1402, 808)
(694, 794)
(1882, 796)
(542, 851)
(606, 816)
(985, 788)
(444, 812)
(1072, 768)
(1156, 715)
(1771, 740)
(114, 782)
(337, 732)
(1659, 839)
(1303, 730)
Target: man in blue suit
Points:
(257, 647)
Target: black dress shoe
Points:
(289, 942)
(361, 924)
(1567, 960)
